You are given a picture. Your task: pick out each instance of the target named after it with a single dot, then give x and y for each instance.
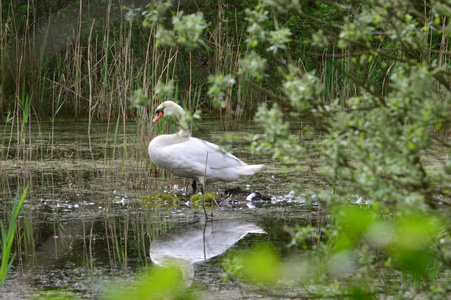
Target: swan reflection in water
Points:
(187, 244)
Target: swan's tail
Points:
(250, 169)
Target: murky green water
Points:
(86, 227)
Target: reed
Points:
(102, 60)
(91, 70)
(8, 237)
(92, 55)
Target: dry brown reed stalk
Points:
(90, 90)
(444, 54)
(78, 65)
(226, 61)
(110, 63)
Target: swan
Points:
(193, 158)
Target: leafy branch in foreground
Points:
(361, 253)
(375, 139)
(377, 144)
(186, 30)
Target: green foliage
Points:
(198, 198)
(279, 39)
(139, 99)
(373, 78)
(155, 12)
(164, 91)
(302, 91)
(256, 19)
(160, 198)
(157, 283)
(275, 132)
(253, 66)
(261, 265)
(219, 88)
(363, 251)
(186, 30)
(374, 140)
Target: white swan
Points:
(185, 156)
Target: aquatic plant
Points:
(199, 198)
(159, 198)
(8, 236)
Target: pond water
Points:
(87, 223)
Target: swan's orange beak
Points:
(158, 115)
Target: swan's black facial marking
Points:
(160, 109)
(158, 114)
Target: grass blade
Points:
(7, 237)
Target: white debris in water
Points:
(290, 197)
(250, 205)
(122, 201)
(360, 201)
(250, 197)
(302, 198)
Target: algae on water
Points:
(197, 198)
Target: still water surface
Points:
(86, 224)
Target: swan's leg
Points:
(194, 185)
(201, 183)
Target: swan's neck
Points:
(184, 133)
(185, 128)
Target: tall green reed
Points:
(7, 236)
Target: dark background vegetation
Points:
(73, 57)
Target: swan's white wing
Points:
(218, 158)
(188, 158)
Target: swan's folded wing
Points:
(196, 151)
(188, 159)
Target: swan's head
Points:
(168, 108)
